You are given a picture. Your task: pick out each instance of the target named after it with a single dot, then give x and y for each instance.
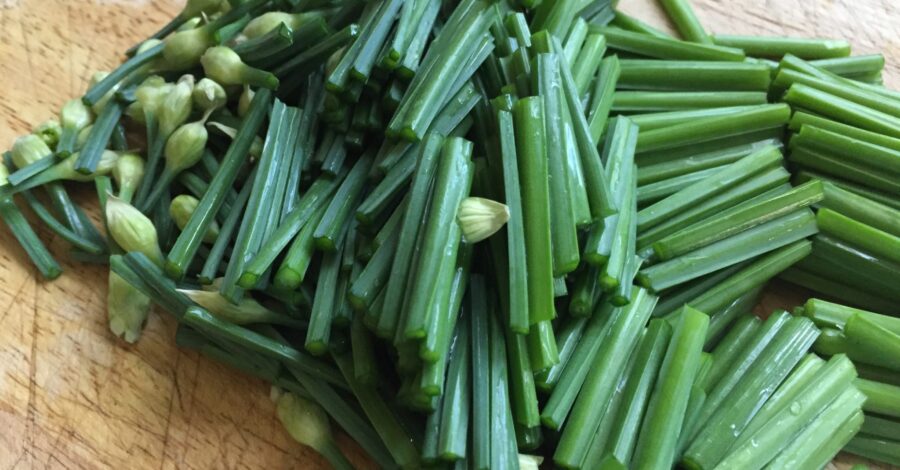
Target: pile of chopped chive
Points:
(484, 234)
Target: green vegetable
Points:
(881, 398)
(531, 148)
(307, 423)
(672, 75)
(658, 438)
(777, 47)
(667, 48)
(624, 327)
(638, 387)
(686, 21)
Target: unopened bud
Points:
(479, 218)
(209, 95)
(181, 210)
(29, 149)
(244, 101)
(226, 67)
(183, 49)
(131, 229)
(185, 147)
(176, 107)
(304, 420)
(128, 173)
(127, 308)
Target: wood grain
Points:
(71, 396)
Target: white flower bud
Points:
(29, 149)
(128, 173)
(185, 147)
(75, 115)
(131, 229)
(304, 420)
(480, 218)
(176, 107)
(127, 309)
(183, 49)
(209, 95)
(225, 66)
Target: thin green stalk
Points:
(723, 427)
(302, 216)
(535, 193)
(727, 351)
(736, 220)
(686, 22)
(831, 387)
(567, 339)
(735, 173)
(630, 23)
(563, 234)
(34, 248)
(624, 328)
(652, 121)
(859, 208)
(743, 246)
(658, 438)
(98, 140)
(752, 276)
(342, 205)
(667, 48)
(777, 47)
(852, 150)
(831, 164)
(680, 75)
(665, 101)
(872, 240)
(602, 96)
(638, 387)
(696, 131)
(842, 110)
(409, 232)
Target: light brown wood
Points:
(71, 396)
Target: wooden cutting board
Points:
(71, 395)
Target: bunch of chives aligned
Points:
(468, 232)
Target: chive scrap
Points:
(777, 47)
(667, 48)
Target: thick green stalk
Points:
(667, 48)
(777, 47)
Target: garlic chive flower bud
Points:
(209, 96)
(152, 93)
(131, 229)
(308, 424)
(181, 210)
(127, 173)
(226, 67)
(267, 22)
(29, 149)
(479, 218)
(183, 49)
(247, 311)
(185, 146)
(74, 117)
(183, 150)
(49, 131)
(245, 100)
(176, 107)
(127, 309)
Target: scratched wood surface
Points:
(71, 396)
